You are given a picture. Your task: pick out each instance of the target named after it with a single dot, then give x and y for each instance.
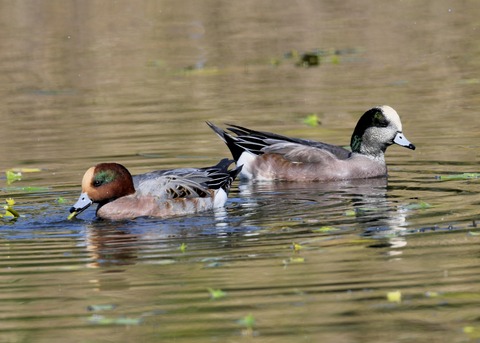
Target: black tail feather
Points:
(229, 140)
(220, 176)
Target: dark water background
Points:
(84, 82)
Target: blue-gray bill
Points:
(81, 205)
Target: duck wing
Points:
(300, 153)
(255, 142)
(186, 182)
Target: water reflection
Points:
(134, 83)
(117, 243)
(362, 202)
(361, 205)
(109, 244)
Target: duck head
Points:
(377, 129)
(101, 184)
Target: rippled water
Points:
(354, 261)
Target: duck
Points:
(160, 193)
(267, 156)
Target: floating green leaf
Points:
(10, 212)
(296, 247)
(463, 176)
(216, 293)
(472, 331)
(13, 176)
(395, 296)
(335, 59)
(291, 260)
(296, 259)
(248, 321)
(183, 247)
(27, 170)
(275, 62)
(469, 296)
(72, 215)
(431, 294)
(28, 189)
(350, 213)
(311, 120)
(194, 71)
(325, 229)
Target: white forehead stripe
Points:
(392, 116)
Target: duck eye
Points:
(97, 183)
(379, 120)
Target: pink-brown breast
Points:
(131, 206)
(276, 167)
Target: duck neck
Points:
(368, 148)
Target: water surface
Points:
(355, 261)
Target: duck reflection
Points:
(361, 205)
(120, 243)
(110, 245)
(362, 202)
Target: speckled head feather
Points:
(376, 130)
(374, 117)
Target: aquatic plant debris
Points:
(292, 260)
(463, 176)
(296, 260)
(102, 307)
(422, 205)
(15, 174)
(195, 71)
(183, 247)
(471, 81)
(10, 212)
(431, 294)
(29, 189)
(315, 57)
(472, 331)
(394, 297)
(248, 322)
(309, 59)
(216, 293)
(359, 211)
(326, 229)
(12, 176)
(102, 320)
(296, 247)
(311, 120)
